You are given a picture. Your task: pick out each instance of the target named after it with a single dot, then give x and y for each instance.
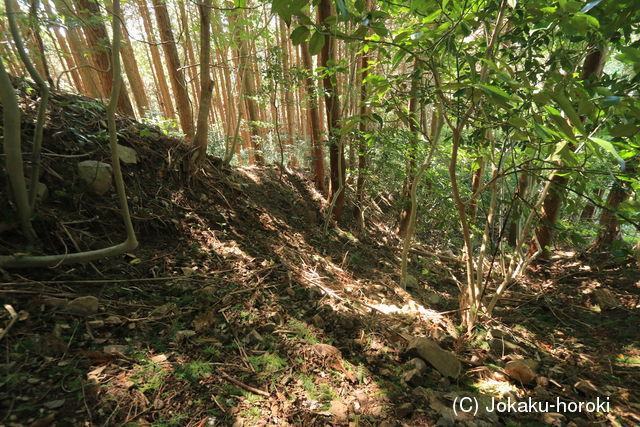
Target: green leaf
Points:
(316, 43)
(300, 35)
(608, 147)
(518, 122)
(287, 8)
(611, 100)
(495, 91)
(568, 109)
(624, 130)
(342, 9)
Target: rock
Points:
(115, 348)
(413, 377)
(254, 337)
(586, 387)
(55, 302)
(605, 299)
(409, 282)
(444, 361)
(418, 364)
(404, 410)
(501, 347)
(434, 299)
(553, 419)
(445, 421)
(54, 404)
(127, 155)
(95, 323)
(83, 306)
(340, 411)
(42, 192)
(318, 321)
(113, 320)
(96, 175)
(522, 370)
(183, 335)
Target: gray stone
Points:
(404, 410)
(444, 361)
(42, 192)
(127, 155)
(96, 175)
(83, 306)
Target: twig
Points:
(98, 281)
(243, 385)
(14, 318)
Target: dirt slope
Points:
(238, 310)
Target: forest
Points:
(320, 213)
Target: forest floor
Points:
(237, 309)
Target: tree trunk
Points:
(610, 226)
(589, 209)
(413, 124)
(516, 203)
(133, 73)
(332, 106)
(96, 36)
(164, 97)
(313, 116)
(206, 88)
(176, 76)
(362, 143)
(552, 204)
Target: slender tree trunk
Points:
(414, 128)
(37, 39)
(332, 105)
(133, 72)
(362, 143)
(176, 76)
(313, 115)
(187, 46)
(67, 56)
(516, 208)
(163, 95)
(206, 89)
(609, 224)
(552, 204)
(247, 90)
(589, 209)
(96, 36)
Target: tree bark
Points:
(332, 106)
(176, 76)
(96, 36)
(609, 224)
(552, 204)
(313, 117)
(413, 124)
(201, 139)
(163, 95)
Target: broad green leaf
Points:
(316, 43)
(300, 35)
(612, 100)
(625, 130)
(495, 91)
(568, 109)
(608, 147)
(518, 122)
